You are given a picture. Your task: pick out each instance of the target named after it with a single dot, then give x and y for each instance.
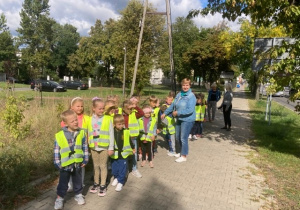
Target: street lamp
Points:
(124, 70)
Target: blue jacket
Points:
(184, 105)
(218, 95)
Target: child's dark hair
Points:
(163, 107)
(153, 98)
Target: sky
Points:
(83, 13)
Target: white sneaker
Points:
(80, 199)
(137, 174)
(115, 182)
(190, 136)
(181, 159)
(119, 187)
(177, 155)
(171, 154)
(195, 137)
(59, 203)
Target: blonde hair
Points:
(114, 98)
(74, 100)
(213, 85)
(153, 98)
(67, 113)
(127, 103)
(96, 101)
(118, 118)
(186, 80)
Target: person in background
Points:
(154, 103)
(123, 148)
(200, 109)
(214, 96)
(183, 109)
(70, 156)
(227, 106)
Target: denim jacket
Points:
(185, 106)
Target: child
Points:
(154, 103)
(122, 149)
(148, 127)
(169, 130)
(131, 114)
(115, 98)
(70, 157)
(101, 142)
(200, 115)
(83, 121)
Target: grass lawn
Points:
(279, 147)
(17, 85)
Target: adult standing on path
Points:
(214, 96)
(183, 109)
(227, 106)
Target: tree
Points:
(284, 14)
(65, 43)
(7, 49)
(35, 35)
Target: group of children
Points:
(114, 136)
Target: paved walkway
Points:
(216, 176)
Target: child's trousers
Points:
(64, 177)
(100, 166)
(119, 169)
(197, 128)
(147, 149)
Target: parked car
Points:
(282, 93)
(47, 85)
(77, 85)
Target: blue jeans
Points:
(197, 128)
(134, 159)
(183, 130)
(119, 169)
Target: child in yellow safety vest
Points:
(123, 148)
(77, 106)
(148, 126)
(70, 157)
(200, 110)
(154, 103)
(101, 143)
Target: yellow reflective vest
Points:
(200, 112)
(133, 124)
(102, 139)
(170, 123)
(65, 156)
(150, 127)
(126, 150)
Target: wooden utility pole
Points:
(138, 49)
(169, 24)
(124, 72)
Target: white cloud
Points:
(84, 13)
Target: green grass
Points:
(17, 85)
(279, 148)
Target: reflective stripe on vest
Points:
(200, 112)
(126, 150)
(66, 158)
(170, 122)
(150, 128)
(133, 124)
(102, 139)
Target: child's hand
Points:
(152, 138)
(162, 116)
(133, 150)
(110, 152)
(174, 113)
(83, 165)
(158, 131)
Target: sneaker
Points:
(194, 137)
(102, 191)
(177, 155)
(95, 188)
(59, 203)
(151, 164)
(171, 154)
(119, 187)
(181, 159)
(190, 136)
(115, 182)
(80, 199)
(137, 174)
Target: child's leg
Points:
(77, 180)
(64, 177)
(103, 166)
(172, 143)
(200, 128)
(144, 150)
(194, 129)
(96, 163)
(149, 150)
(123, 166)
(114, 168)
(134, 159)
